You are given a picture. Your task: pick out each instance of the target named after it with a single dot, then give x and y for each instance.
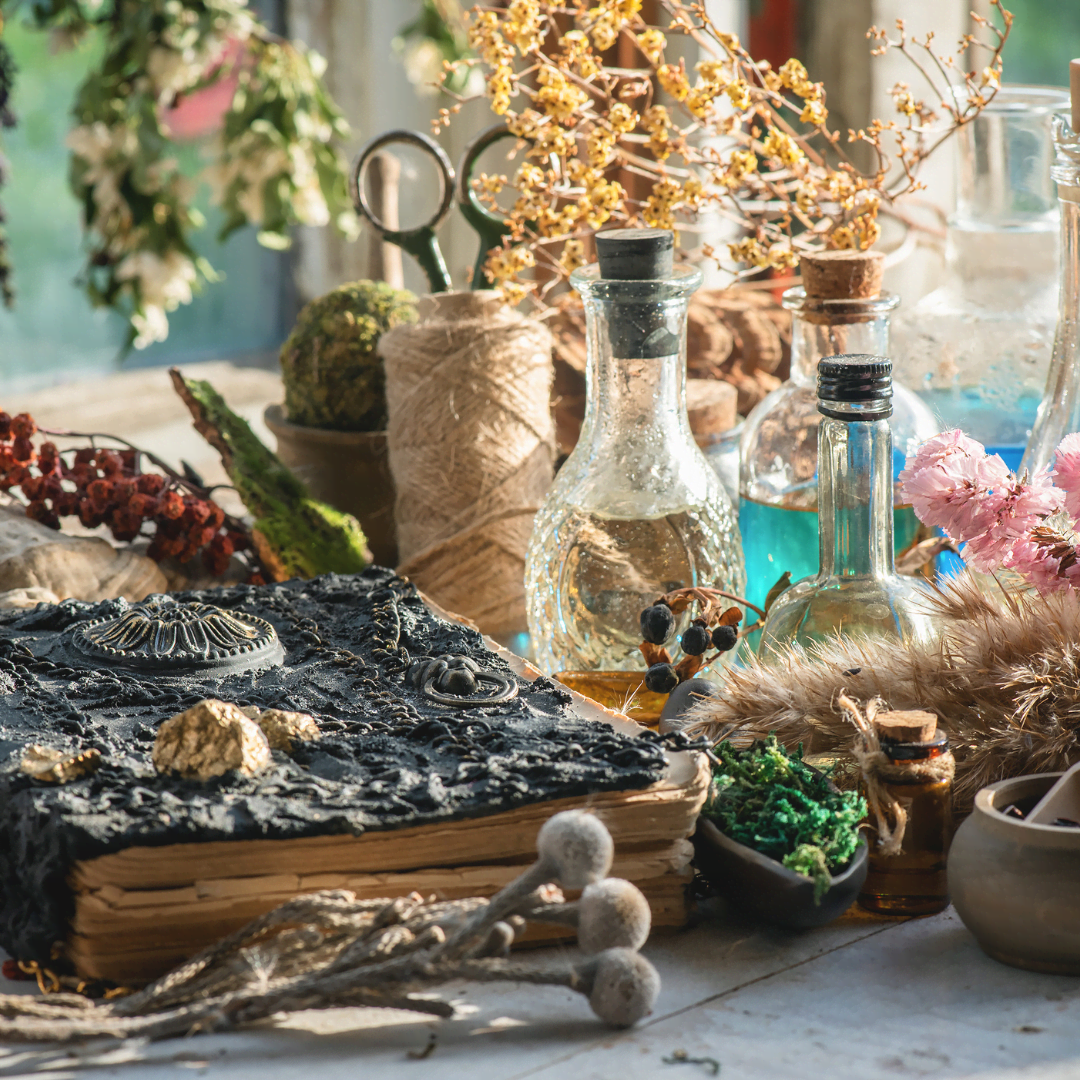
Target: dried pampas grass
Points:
(1004, 681)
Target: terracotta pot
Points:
(1016, 885)
(347, 469)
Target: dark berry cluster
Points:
(109, 487)
(713, 624)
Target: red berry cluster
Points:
(108, 487)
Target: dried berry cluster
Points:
(108, 487)
(714, 625)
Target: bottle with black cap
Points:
(856, 590)
(636, 510)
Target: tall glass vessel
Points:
(977, 349)
(636, 510)
(778, 494)
(1059, 414)
(856, 589)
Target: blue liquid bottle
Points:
(839, 309)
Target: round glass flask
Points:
(636, 510)
(779, 449)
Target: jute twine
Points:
(472, 448)
(877, 769)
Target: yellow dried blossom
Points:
(793, 75)
(843, 238)
(528, 176)
(739, 93)
(867, 230)
(607, 19)
(652, 43)
(659, 208)
(524, 125)
(622, 118)
(573, 255)
(748, 250)
(485, 38)
(814, 112)
(699, 100)
(771, 80)
(657, 122)
(780, 146)
(600, 145)
(600, 201)
(504, 263)
(805, 198)
(782, 258)
(740, 164)
(490, 185)
(557, 222)
(729, 41)
(577, 51)
(500, 88)
(673, 80)
(557, 95)
(714, 72)
(524, 25)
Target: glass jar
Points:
(636, 510)
(779, 448)
(977, 348)
(856, 590)
(1059, 413)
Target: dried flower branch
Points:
(783, 173)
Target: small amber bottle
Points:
(909, 780)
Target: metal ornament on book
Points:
(460, 681)
(164, 634)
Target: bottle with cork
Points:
(839, 308)
(907, 773)
(636, 510)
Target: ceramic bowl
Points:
(766, 889)
(1015, 885)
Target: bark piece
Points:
(293, 534)
(210, 739)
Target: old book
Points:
(422, 778)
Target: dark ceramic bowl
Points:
(766, 889)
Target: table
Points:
(861, 999)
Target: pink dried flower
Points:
(1018, 508)
(954, 484)
(1067, 473)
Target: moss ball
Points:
(333, 376)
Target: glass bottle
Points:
(977, 348)
(636, 510)
(778, 470)
(1059, 413)
(918, 776)
(856, 589)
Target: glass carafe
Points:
(1059, 414)
(978, 347)
(636, 510)
(855, 590)
(778, 495)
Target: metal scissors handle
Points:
(491, 228)
(419, 242)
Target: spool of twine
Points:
(472, 449)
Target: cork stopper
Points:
(1074, 92)
(912, 726)
(842, 275)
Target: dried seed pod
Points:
(576, 847)
(622, 986)
(612, 913)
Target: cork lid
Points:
(842, 275)
(911, 726)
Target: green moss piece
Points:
(333, 376)
(773, 802)
(296, 535)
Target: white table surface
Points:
(860, 999)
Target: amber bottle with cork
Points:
(907, 773)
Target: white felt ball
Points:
(577, 846)
(612, 914)
(625, 987)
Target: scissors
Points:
(420, 242)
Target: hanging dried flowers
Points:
(273, 165)
(732, 135)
